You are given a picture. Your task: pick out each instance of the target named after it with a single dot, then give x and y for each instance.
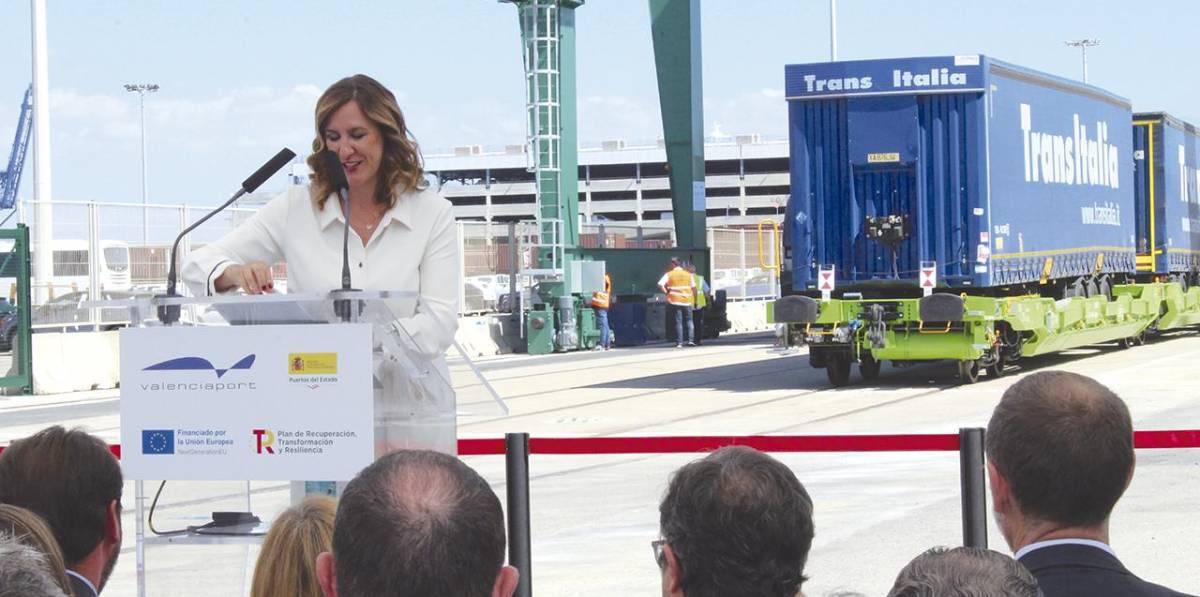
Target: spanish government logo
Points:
(312, 363)
(264, 439)
(158, 441)
(200, 364)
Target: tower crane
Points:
(10, 178)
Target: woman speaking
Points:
(402, 233)
(402, 238)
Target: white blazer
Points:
(414, 248)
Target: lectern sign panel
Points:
(277, 402)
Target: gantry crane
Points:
(559, 319)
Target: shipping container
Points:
(1002, 175)
(1167, 195)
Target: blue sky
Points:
(239, 79)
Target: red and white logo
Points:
(928, 277)
(825, 280)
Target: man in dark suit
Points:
(1060, 454)
(74, 482)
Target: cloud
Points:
(605, 117)
(763, 111)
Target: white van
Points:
(71, 265)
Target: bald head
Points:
(1064, 443)
(418, 523)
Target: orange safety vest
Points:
(600, 299)
(679, 287)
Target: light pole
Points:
(1083, 45)
(833, 30)
(142, 89)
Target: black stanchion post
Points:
(516, 458)
(974, 494)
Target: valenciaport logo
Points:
(183, 372)
(200, 364)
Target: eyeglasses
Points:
(659, 557)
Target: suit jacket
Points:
(80, 587)
(1085, 571)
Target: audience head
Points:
(24, 571)
(73, 481)
(675, 262)
(736, 522)
(691, 267)
(288, 560)
(964, 572)
(417, 523)
(1060, 454)
(29, 528)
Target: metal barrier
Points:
(974, 492)
(969, 443)
(520, 543)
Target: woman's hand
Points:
(254, 278)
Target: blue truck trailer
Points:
(1053, 218)
(1003, 176)
(1167, 195)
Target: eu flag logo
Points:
(158, 441)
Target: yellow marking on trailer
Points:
(1110, 249)
(1149, 124)
(1153, 244)
(1145, 263)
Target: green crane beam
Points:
(675, 28)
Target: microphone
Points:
(168, 314)
(337, 180)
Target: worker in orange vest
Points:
(601, 302)
(680, 288)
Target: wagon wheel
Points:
(868, 366)
(837, 368)
(996, 369)
(968, 371)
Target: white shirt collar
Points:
(1051, 543)
(401, 212)
(85, 581)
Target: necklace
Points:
(377, 216)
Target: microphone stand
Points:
(342, 307)
(169, 314)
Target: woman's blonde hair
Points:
(29, 528)
(287, 564)
(400, 169)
